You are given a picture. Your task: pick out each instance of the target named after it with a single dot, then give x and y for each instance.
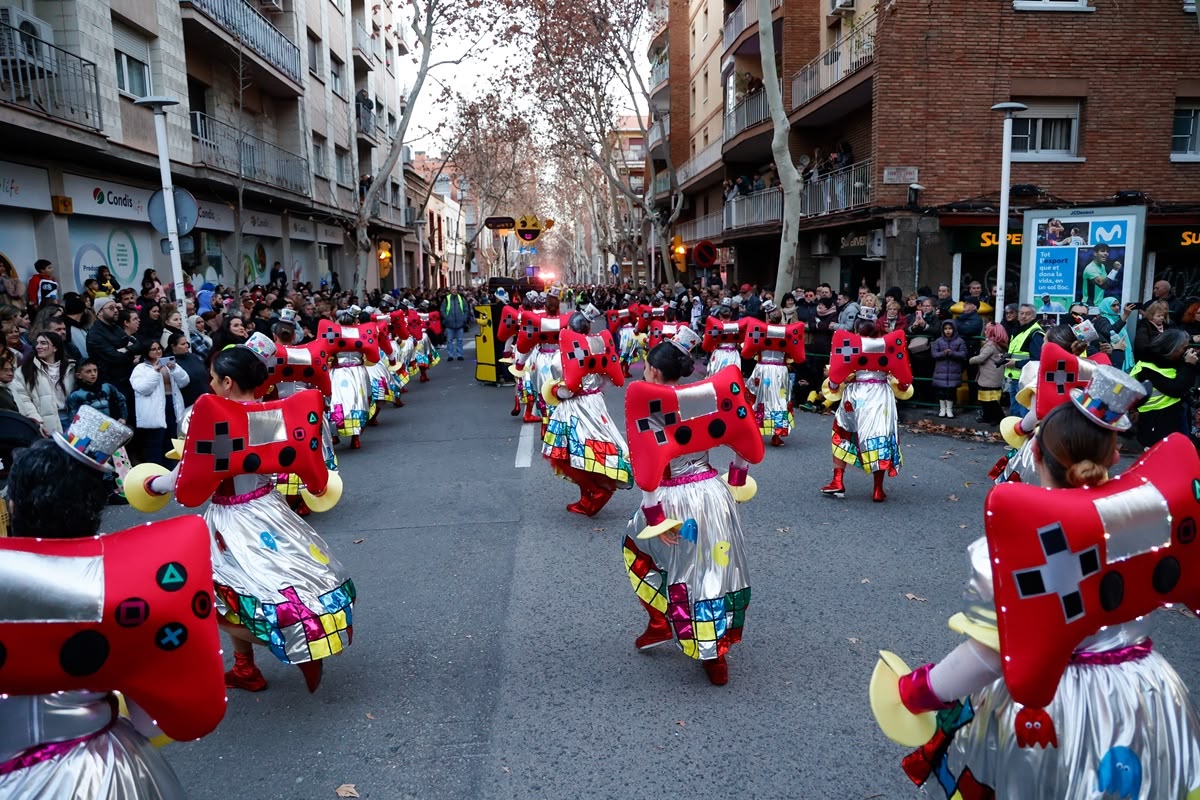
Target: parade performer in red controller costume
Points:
(582, 442)
(277, 584)
(84, 616)
(774, 345)
(867, 372)
(687, 561)
(1058, 693)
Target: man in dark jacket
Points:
(456, 316)
(112, 349)
(970, 324)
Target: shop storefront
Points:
(212, 244)
(973, 251)
(24, 195)
(110, 226)
(262, 246)
(301, 262)
(331, 254)
(860, 258)
(1175, 250)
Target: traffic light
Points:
(679, 254)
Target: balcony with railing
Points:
(700, 163)
(362, 46)
(243, 22)
(660, 72)
(853, 50)
(366, 126)
(840, 190)
(225, 148)
(741, 18)
(659, 131)
(750, 210)
(661, 183)
(47, 80)
(751, 111)
(706, 227)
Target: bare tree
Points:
(589, 78)
(443, 19)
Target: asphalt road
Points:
(493, 653)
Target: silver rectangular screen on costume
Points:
(266, 427)
(42, 588)
(697, 400)
(596, 345)
(549, 325)
(1135, 521)
(776, 331)
(874, 345)
(299, 357)
(729, 327)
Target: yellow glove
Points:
(549, 394)
(326, 499)
(897, 722)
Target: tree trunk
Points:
(789, 176)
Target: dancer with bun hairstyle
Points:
(1120, 723)
(266, 558)
(691, 550)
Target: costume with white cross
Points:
(1058, 692)
(865, 425)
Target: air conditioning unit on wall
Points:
(841, 7)
(27, 43)
(271, 5)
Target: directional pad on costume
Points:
(1061, 574)
(221, 446)
(657, 421)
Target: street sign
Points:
(615, 269)
(186, 246)
(704, 254)
(186, 211)
(499, 223)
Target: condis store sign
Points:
(99, 198)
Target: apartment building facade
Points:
(289, 104)
(903, 92)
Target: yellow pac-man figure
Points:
(529, 228)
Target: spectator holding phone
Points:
(158, 402)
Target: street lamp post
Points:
(159, 106)
(1005, 179)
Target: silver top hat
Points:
(868, 313)
(287, 315)
(768, 306)
(590, 311)
(92, 438)
(261, 346)
(685, 339)
(1108, 397)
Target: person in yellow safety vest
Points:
(1024, 345)
(1170, 368)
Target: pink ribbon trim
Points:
(238, 499)
(1109, 658)
(699, 476)
(51, 750)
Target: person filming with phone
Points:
(154, 381)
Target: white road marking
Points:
(525, 445)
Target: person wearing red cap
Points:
(751, 304)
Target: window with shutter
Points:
(131, 51)
(1047, 131)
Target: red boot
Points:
(658, 631)
(776, 441)
(245, 675)
(717, 671)
(516, 409)
(599, 490)
(397, 403)
(424, 376)
(356, 442)
(530, 416)
(878, 496)
(312, 674)
(835, 488)
(302, 509)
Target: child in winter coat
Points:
(990, 378)
(949, 355)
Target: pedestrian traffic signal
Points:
(679, 254)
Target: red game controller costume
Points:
(723, 343)
(351, 404)
(537, 356)
(623, 324)
(307, 363)
(581, 441)
(426, 354)
(661, 331)
(866, 375)
(770, 384)
(1063, 695)
(276, 582)
(697, 589)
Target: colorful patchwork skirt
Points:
(771, 385)
(380, 376)
(581, 434)
(351, 404)
(865, 429)
(275, 576)
(724, 356)
(628, 345)
(701, 584)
